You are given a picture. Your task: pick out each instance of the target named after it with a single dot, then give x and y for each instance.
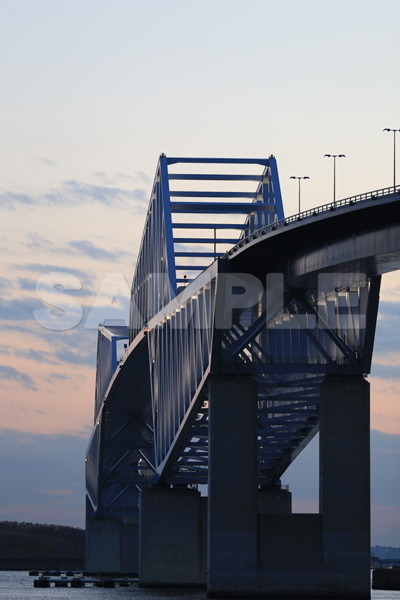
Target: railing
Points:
(313, 212)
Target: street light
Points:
(299, 178)
(394, 154)
(334, 156)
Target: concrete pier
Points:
(232, 486)
(112, 544)
(172, 536)
(256, 547)
(103, 545)
(345, 483)
(327, 555)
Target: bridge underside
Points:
(226, 377)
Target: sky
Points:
(93, 91)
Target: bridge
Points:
(249, 332)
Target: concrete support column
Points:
(103, 545)
(232, 486)
(170, 549)
(112, 543)
(130, 544)
(345, 484)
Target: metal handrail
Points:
(312, 212)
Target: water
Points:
(17, 585)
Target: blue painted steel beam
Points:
(276, 187)
(191, 267)
(215, 177)
(198, 254)
(209, 226)
(167, 221)
(220, 207)
(218, 161)
(209, 240)
(207, 194)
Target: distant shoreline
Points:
(30, 546)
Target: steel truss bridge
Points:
(226, 284)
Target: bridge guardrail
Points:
(312, 212)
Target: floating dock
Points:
(77, 580)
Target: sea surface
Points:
(18, 585)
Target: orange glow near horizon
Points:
(57, 406)
(385, 408)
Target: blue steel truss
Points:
(188, 228)
(151, 416)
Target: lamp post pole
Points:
(299, 179)
(334, 156)
(394, 154)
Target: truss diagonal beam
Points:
(348, 353)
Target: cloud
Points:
(42, 160)
(36, 355)
(66, 355)
(51, 268)
(386, 337)
(389, 309)
(26, 284)
(79, 193)
(60, 376)
(11, 200)
(112, 179)
(89, 249)
(12, 374)
(15, 327)
(6, 284)
(37, 243)
(87, 193)
(52, 280)
(18, 309)
(76, 346)
(385, 371)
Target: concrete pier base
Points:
(112, 544)
(172, 538)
